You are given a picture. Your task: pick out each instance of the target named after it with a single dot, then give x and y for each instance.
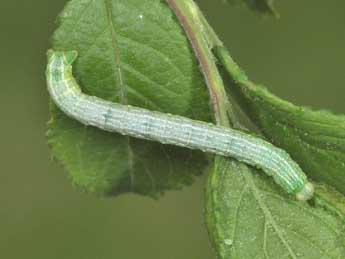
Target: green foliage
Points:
(133, 52)
(331, 200)
(249, 217)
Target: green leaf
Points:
(132, 52)
(315, 139)
(331, 200)
(249, 217)
(263, 6)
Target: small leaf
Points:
(132, 52)
(249, 217)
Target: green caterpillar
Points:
(170, 129)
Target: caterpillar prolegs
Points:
(170, 129)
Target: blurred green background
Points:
(300, 57)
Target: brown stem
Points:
(187, 13)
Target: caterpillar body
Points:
(170, 129)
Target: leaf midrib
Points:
(120, 81)
(268, 215)
(117, 57)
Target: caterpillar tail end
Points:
(306, 193)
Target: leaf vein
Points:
(158, 52)
(268, 214)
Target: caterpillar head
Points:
(68, 57)
(306, 192)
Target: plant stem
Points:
(224, 56)
(188, 15)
